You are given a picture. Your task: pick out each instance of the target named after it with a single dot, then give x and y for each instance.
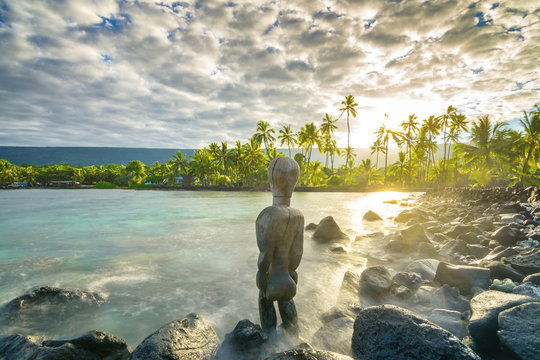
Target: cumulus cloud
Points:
(183, 74)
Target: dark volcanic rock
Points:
(461, 229)
(533, 279)
(348, 292)
(519, 328)
(328, 230)
(94, 345)
(426, 268)
(500, 252)
(308, 354)
(404, 284)
(526, 263)
(449, 298)
(486, 308)
(335, 336)
(463, 277)
(245, 342)
(502, 271)
(371, 216)
(449, 320)
(46, 299)
(414, 234)
(376, 280)
(412, 214)
(189, 338)
(311, 226)
(507, 235)
(478, 251)
(390, 332)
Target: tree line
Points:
(442, 150)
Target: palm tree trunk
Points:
(525, 165)
(307, 171)
(385, 161)
(444, 155)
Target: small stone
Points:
(505, 285)
(372, 216)
(328, 230)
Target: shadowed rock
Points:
(486, 308)
(533, 279)
(372, 216)
(94, 345)
(449, 320)
(190, 338)
(308, 354)
(244, 342)
(390, 332)
(463, 277)
(519, 328)
(526, 263)
(328, 230)
(426, 268)
(335, 336)
(375, 281)
(507, 235)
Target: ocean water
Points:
(158, 255)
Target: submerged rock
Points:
(94, 345)
(372, 216)
(519, 328)
(189, 338)
(349, 290)
(426, 268)
(449, 298)
(308, 354)
(390, 332)
(376, 280)
(463, 277)
(486, 308)
(328, 230)
(245, 342)
(449, 320)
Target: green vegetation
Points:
(474, 152)
(105, 185)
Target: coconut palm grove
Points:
(446, 149)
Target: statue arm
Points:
(266, 247)
(297, 249)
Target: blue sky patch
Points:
(477, 71)
(482, 21)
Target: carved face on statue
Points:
(283, 173)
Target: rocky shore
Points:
(460, 279)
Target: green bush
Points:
(140, 186)
(335, 180)
(105, 185)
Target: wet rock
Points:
(47, 300)
(414, 234)
(461, 276)
(527, 289)
(452, 248)
(502, 271)
(483, 223)
(349, 290)
(427, 249)
(336, 312)
(507, 235)
(328, 230)
(478, 251)
(376, 280)
(390, 332)
(412, 214)
(500, 252)
(449, 320)
(486, 308)
(245, 342)
(189, 338)
(533, 279)
(404, 284)
(372, 216)
(462, 229)
(94, 345)
(426, 268)
(311, 226)
(449, 298)
(339, 249)
(519, 328)
(335, 336)
(526, 263)
(308, 354)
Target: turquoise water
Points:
(158, 255)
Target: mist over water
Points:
(158, 255)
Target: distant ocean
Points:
(84, 156)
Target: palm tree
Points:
(310, 137)
(531, 127)
(327, 128)
(349, 107)
(445, 122)
(384, 134)
(202, 165)
(367, 169)
(458, 124)
(287, 137)
(253, 156)
(179, 163)
(377, 147)
(432, 126)
(410, 127)
(264, 134)
(400, 164)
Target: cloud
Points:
(184, 74)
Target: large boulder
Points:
(486, 308)
(328, 230)
(507, 235)
(463, 277)
(190, 338)
(526, 263)
(245, 342)
(375, 281)
(94, 345)
(426, 268)
(47, 300)
(308, 354)
(335, 336)
(390, 332)
(519, 328)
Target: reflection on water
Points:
(159, 255)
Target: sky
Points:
(183, 74)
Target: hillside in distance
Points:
(85, 156)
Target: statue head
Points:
(283, 173)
